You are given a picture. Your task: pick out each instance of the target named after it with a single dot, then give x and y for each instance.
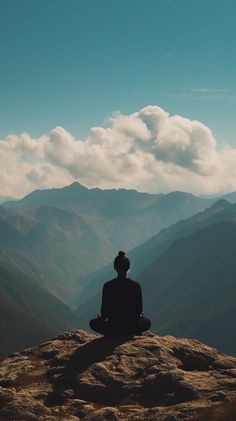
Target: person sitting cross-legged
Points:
(122, 307)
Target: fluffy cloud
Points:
(148, 150)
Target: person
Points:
(122, 307)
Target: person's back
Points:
(122, 308)
(121, 299)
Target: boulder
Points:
(83, 376)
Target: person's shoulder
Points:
(109, 283)
(133, 282)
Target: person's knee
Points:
(147, 324)
(144, 324)
(98, 325)
(93, 324)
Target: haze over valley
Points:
(57, 246)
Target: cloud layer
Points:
(148, 150)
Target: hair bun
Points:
(121, 253)
(121, 262)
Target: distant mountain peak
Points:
(179, 193)
(221, 204)
(75, 185)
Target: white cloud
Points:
(148, 150)
(204, 94)
(210, 90)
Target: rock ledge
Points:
(82, 376)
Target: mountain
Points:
(59, 242)
(175, 271)
(29, 314)
(231, 197)
(142, 256)
(66, 234)
(18, 221)
(79, 197)
(78, 376)
(73, 231)
(114, 203)
(190, 290)
(125, 217)
(4, 199)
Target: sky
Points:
(76, 76)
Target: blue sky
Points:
(74, 62)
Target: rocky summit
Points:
(82, 376)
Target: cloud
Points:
(149, 150)
(210, 91)
(203, 94)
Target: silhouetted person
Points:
(122, 307)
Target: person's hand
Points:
(142, 314)
(98, 316)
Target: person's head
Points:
(121, 263)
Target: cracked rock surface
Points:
(82, 376)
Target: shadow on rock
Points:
(65, 382)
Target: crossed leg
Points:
(106, 328)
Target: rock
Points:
(6, 382)
(6, 395)
(25, 409)
(217, 396)
(80, 376)
(169, 387)
(194, 360)
(105, 414)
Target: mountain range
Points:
(187, 273)
(190, 289)
(70, 232)
(57, 244)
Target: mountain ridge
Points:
(171, 254)
(29, 313)
(65, 243)
(72, 231)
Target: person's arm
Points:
(105, 303)
(138, 301)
